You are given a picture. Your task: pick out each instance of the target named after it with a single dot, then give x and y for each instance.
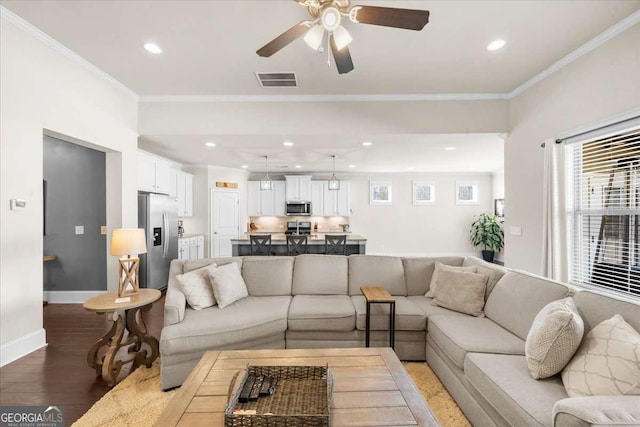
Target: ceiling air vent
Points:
(277, 79)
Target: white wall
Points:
(599, 85)
(402, 228)
(42, 90)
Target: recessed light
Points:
(352, 166)
(367, 144)
(287, 143)
(210, 144)
(244, 166)
(449, 148)
(297, 166)
(153, 48)
(496, 44)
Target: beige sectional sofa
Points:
(315, 301)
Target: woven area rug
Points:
(137, 400)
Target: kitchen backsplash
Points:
(275, 224)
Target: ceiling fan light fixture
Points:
(314, 37)
(334, 183)
(265, 183)
(342, 37)
(331, 18)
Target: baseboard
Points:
(69, 297)
(14, 350)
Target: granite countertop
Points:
(314, 238)
(187, 235)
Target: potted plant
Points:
(486, 231)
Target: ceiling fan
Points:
(327, 18)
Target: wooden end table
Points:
(379, 295)
(124, 316)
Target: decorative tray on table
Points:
(281, 395)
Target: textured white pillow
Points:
(607, 363)
(553, 339)
(228, 284)
(461, 291)
(431, 293)
(196, 287)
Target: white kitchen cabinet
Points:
(279, 198)
(184, 250)
(184, 194)
(154, 174)
(336, 202)
(263, 202)
(298, 188)
(317, 197)
(200, 246)
(173, 184)
(191, 247)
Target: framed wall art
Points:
(380, 193)
(466, 193)
(424, 192)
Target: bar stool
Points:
(335, 245)
(260, 244)
(296, 245)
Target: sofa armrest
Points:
(175, 301)
(597, 410)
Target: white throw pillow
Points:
(607, 362)
(228, 284)
(553, 339)
(196, 287)
(431, 293)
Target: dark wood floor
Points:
(58, 374)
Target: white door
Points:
(225, 223)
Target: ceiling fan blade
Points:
(344, 64)
(283, 39)
(408, 19)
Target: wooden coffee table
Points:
(371, 387)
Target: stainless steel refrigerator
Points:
(158, 215)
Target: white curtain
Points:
(554, 218)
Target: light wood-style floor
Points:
(58, 374)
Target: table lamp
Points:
(128, 241)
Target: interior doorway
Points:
(225, 221)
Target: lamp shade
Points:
(128, 241)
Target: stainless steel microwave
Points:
(298, 208)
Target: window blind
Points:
(603, 207)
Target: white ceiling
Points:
(209, 49)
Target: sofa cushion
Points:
(436, 280)
(195, 264)
(553, 339)
(460, 291)
(426, 305)
(458, 335)
(595, 308)
(249, 319)
(268, 276)
(408, 316)
(518, 297)
(504, 381)
(607, 362)
(372, 270)
(320, 275)
(322, 313)
(228, 285)
(418, 272)
(493, 271)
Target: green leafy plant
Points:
(486, 231)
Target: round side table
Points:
(125, 317)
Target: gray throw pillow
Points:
(553, 339)
(461, 291)
(607, 362)
(436, 272)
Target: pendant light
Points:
(265, 183)
(334, 184)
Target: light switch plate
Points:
(18, 204)
(103, 230)
(515, 231)
(79, 229)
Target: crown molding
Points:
(28, 28)
(326, 98)
(592, 44)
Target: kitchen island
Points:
(242, 245)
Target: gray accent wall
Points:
(75, 196)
